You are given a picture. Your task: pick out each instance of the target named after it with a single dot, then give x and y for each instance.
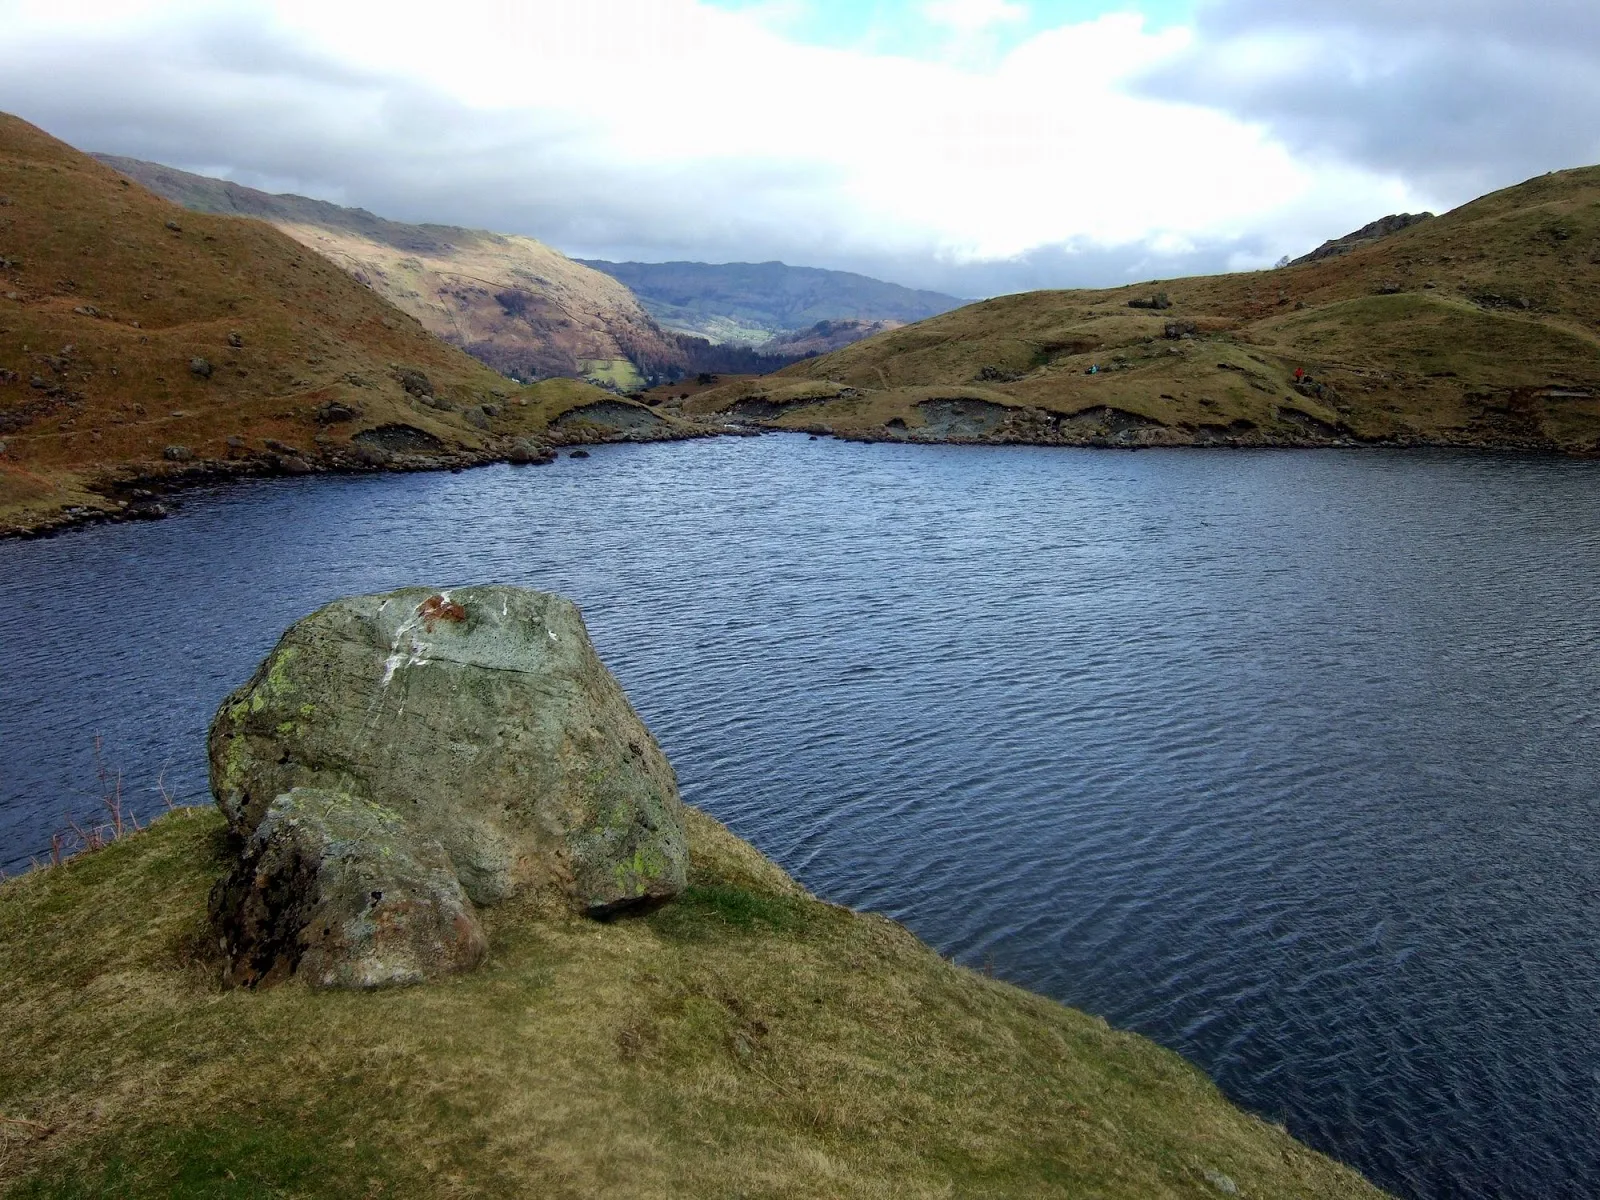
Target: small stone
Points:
(235, 442)
(333, 411)
(293, 464)
(200, 368)
(177, 454)
(1221, 1182)
(579, 454)
(236, 339)
(175, 227)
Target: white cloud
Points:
(974, 16)
(667, 128)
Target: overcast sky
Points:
(976, 146)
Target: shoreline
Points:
(133, 494)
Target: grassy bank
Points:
(1477, 328)
(748, 1040)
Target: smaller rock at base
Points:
(200, 368)
(342, 893)
(177, 454)
(579, 454)
(236, 339)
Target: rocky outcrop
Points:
(1375, 231)
(482, 721)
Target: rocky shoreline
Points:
(140, 494)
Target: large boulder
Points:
(341, 891)
(484, 720)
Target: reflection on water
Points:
(1287, 760)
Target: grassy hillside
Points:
(747, 1040)
(512, 302)
(755, 303)
(140, 340)
(1480, 327)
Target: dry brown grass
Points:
(1466, 329)
(746, 1041)
(107, 306)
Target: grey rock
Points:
(293, 464)
(476, 417)
(177, 454)
(343, 893)
(331, 412)
(525, 453)
(200, 368)
(414, 381)
(579, 454)
(175, 227)
(370, 455)
(482, 714)
(236, 339)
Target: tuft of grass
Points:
(748, 1040)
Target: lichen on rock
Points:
(483, 721)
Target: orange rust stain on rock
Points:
(436, 608)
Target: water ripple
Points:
(1288, 761)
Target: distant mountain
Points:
(756, 303)
(513, 303)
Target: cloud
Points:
(1458, 96)
(974, 16)
(662, 129)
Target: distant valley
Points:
(531, 313)
(772, 306)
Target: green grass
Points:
(618, 372)
(747, 1040)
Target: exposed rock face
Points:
(1381, 228)
(483, 720)
(340, 890)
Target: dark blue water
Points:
(1287, 760)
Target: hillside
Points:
(523, 308)
(138, 340)
(1477, 328)
(756, 303)
(744, 1040)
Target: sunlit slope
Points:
(138, 338)
(514, 303)
(1476, 328)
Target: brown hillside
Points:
(138, 339)
(513, 303)
(1480, 327)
